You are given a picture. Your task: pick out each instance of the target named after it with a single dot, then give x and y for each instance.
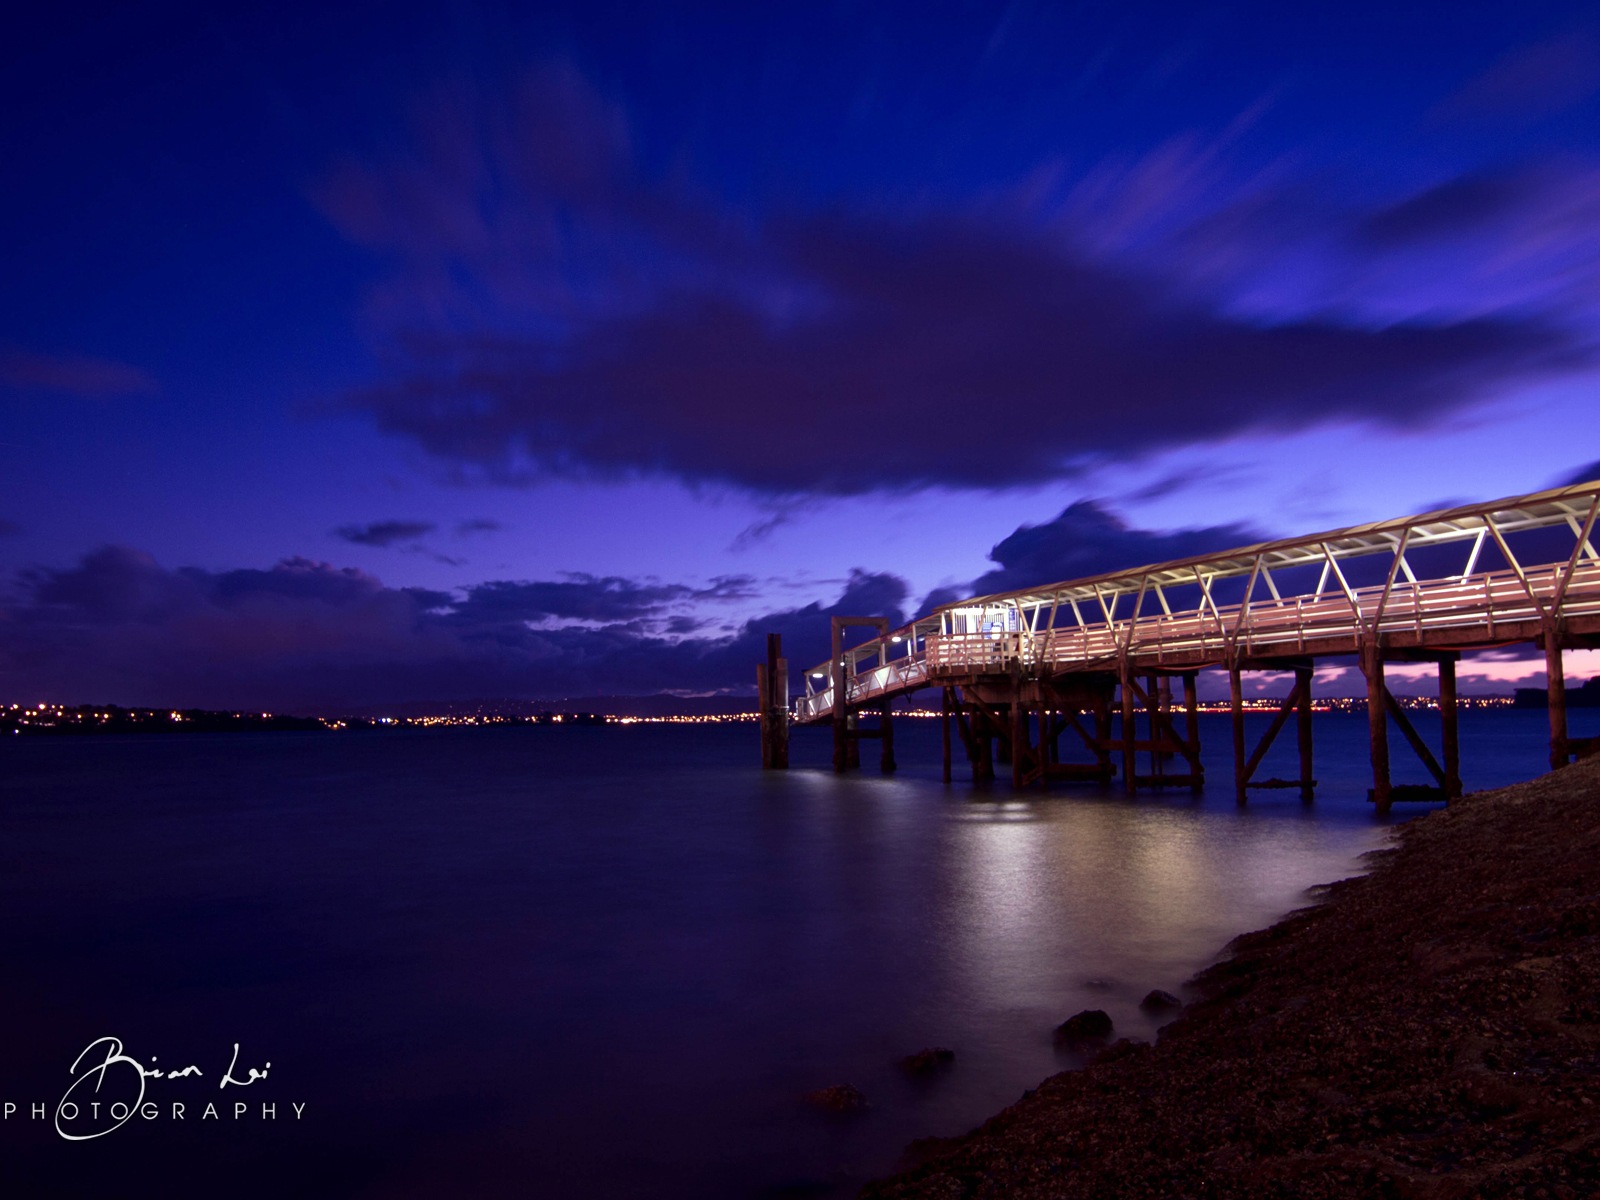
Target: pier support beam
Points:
(1019, 731)
(1308, 781)
(1297, 704)
(947, 703)
(1191, 724)
(1449, 735)
(1236, 707)
(772, 689)
(1129, 766)
(1377, 724)
(1556, 689)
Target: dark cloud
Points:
(1463, 205)
(577, 597)
(385, 533)
(90, 378)
(582, 597)
(1087, 539)
(1584, 474)
(981, 361)
(477, 525)
(555, 311)
(312, 637)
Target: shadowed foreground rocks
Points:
(1431, 1031)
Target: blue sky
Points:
(677, 325)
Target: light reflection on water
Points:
(604, 962)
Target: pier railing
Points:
(1481, 609)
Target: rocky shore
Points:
(1430, 1030)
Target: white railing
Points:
(1476, 606)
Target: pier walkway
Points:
(1099, 656)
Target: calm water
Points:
(596, 962)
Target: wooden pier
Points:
(1098, 662)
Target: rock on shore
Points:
(1431, 1031)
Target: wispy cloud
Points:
(89, 378)
(385, 533)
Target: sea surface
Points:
(596, 962)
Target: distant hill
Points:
(1587, 696)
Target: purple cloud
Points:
(90, 378)
(311, 637)
(385, 533)
(553, 310)
(1086, 539)
(1584, 474)
(1463, 205)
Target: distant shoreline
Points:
(80, 719)
(1431, 1030)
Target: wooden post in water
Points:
(1047, 744)
(1449, 736)
(1019, 729)
(1191, 725)
(1236, 706)
(886, 761)
(841, 735)
(772, 690)
(1308, 783)
(1556, 689)
(1377, 724)
(1102, 733)
(944, 723)
(1128, 764)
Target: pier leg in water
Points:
(772, 688)
(1191, 727)
(1308, 782)
(1102, 735)
(1128, 765)
(1019, 732)
(944, 724)
(1236, 706)
(1377, 725)
(1450, 741)
(1556, 687)
(886, 761)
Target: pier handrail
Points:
(1013, 627)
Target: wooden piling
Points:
(1450, 741)
(1236, 707)
(886, 761)
(944, 724)
(772, 692)
(1556, 689)
(764, 707)
(1377, 724)
(1019, 730)
(1308, 782)
(1129, 783)
(1191, 727)
(1102, 734)
(841, 733)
